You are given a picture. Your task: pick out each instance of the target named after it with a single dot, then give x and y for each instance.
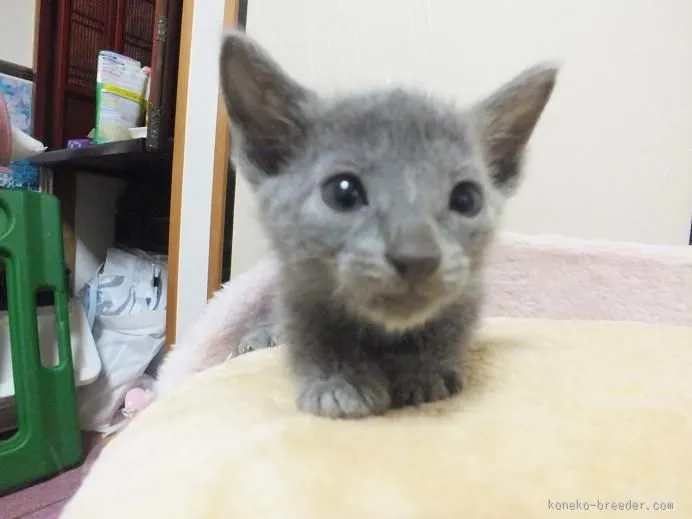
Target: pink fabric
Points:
(528, 276)
(229, 315)
(567, 278)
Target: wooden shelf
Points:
(122, 158)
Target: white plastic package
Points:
(126, 304)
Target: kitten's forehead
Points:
(395, 117)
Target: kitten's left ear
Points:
(506, 119)
(265, 105)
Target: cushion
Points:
(557, 415)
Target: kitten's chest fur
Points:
(325, 338)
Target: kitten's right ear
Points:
(507, 118)
(265, 105)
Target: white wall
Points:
(17, 31)
(249, 242)
(611, 158)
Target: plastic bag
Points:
(125, 304)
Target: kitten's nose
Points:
(414, 266)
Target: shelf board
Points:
(122, 158)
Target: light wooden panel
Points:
(218, 201)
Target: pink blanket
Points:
(567, 278)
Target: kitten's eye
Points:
(466, 199)
(344, 192)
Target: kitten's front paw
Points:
(435, 386)
(334, 397)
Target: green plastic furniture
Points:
(48, 438)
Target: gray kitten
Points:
(381, 206)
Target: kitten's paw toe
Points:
(260, 338)
(336, 398)
(454, 382)
(437, 386)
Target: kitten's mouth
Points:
(402, 310)
(410, 301)
(408, 298)
(398, 305)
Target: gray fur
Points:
(363, 338)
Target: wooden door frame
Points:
(234, 14)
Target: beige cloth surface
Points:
(556, 414)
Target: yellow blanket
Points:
(586, 416)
